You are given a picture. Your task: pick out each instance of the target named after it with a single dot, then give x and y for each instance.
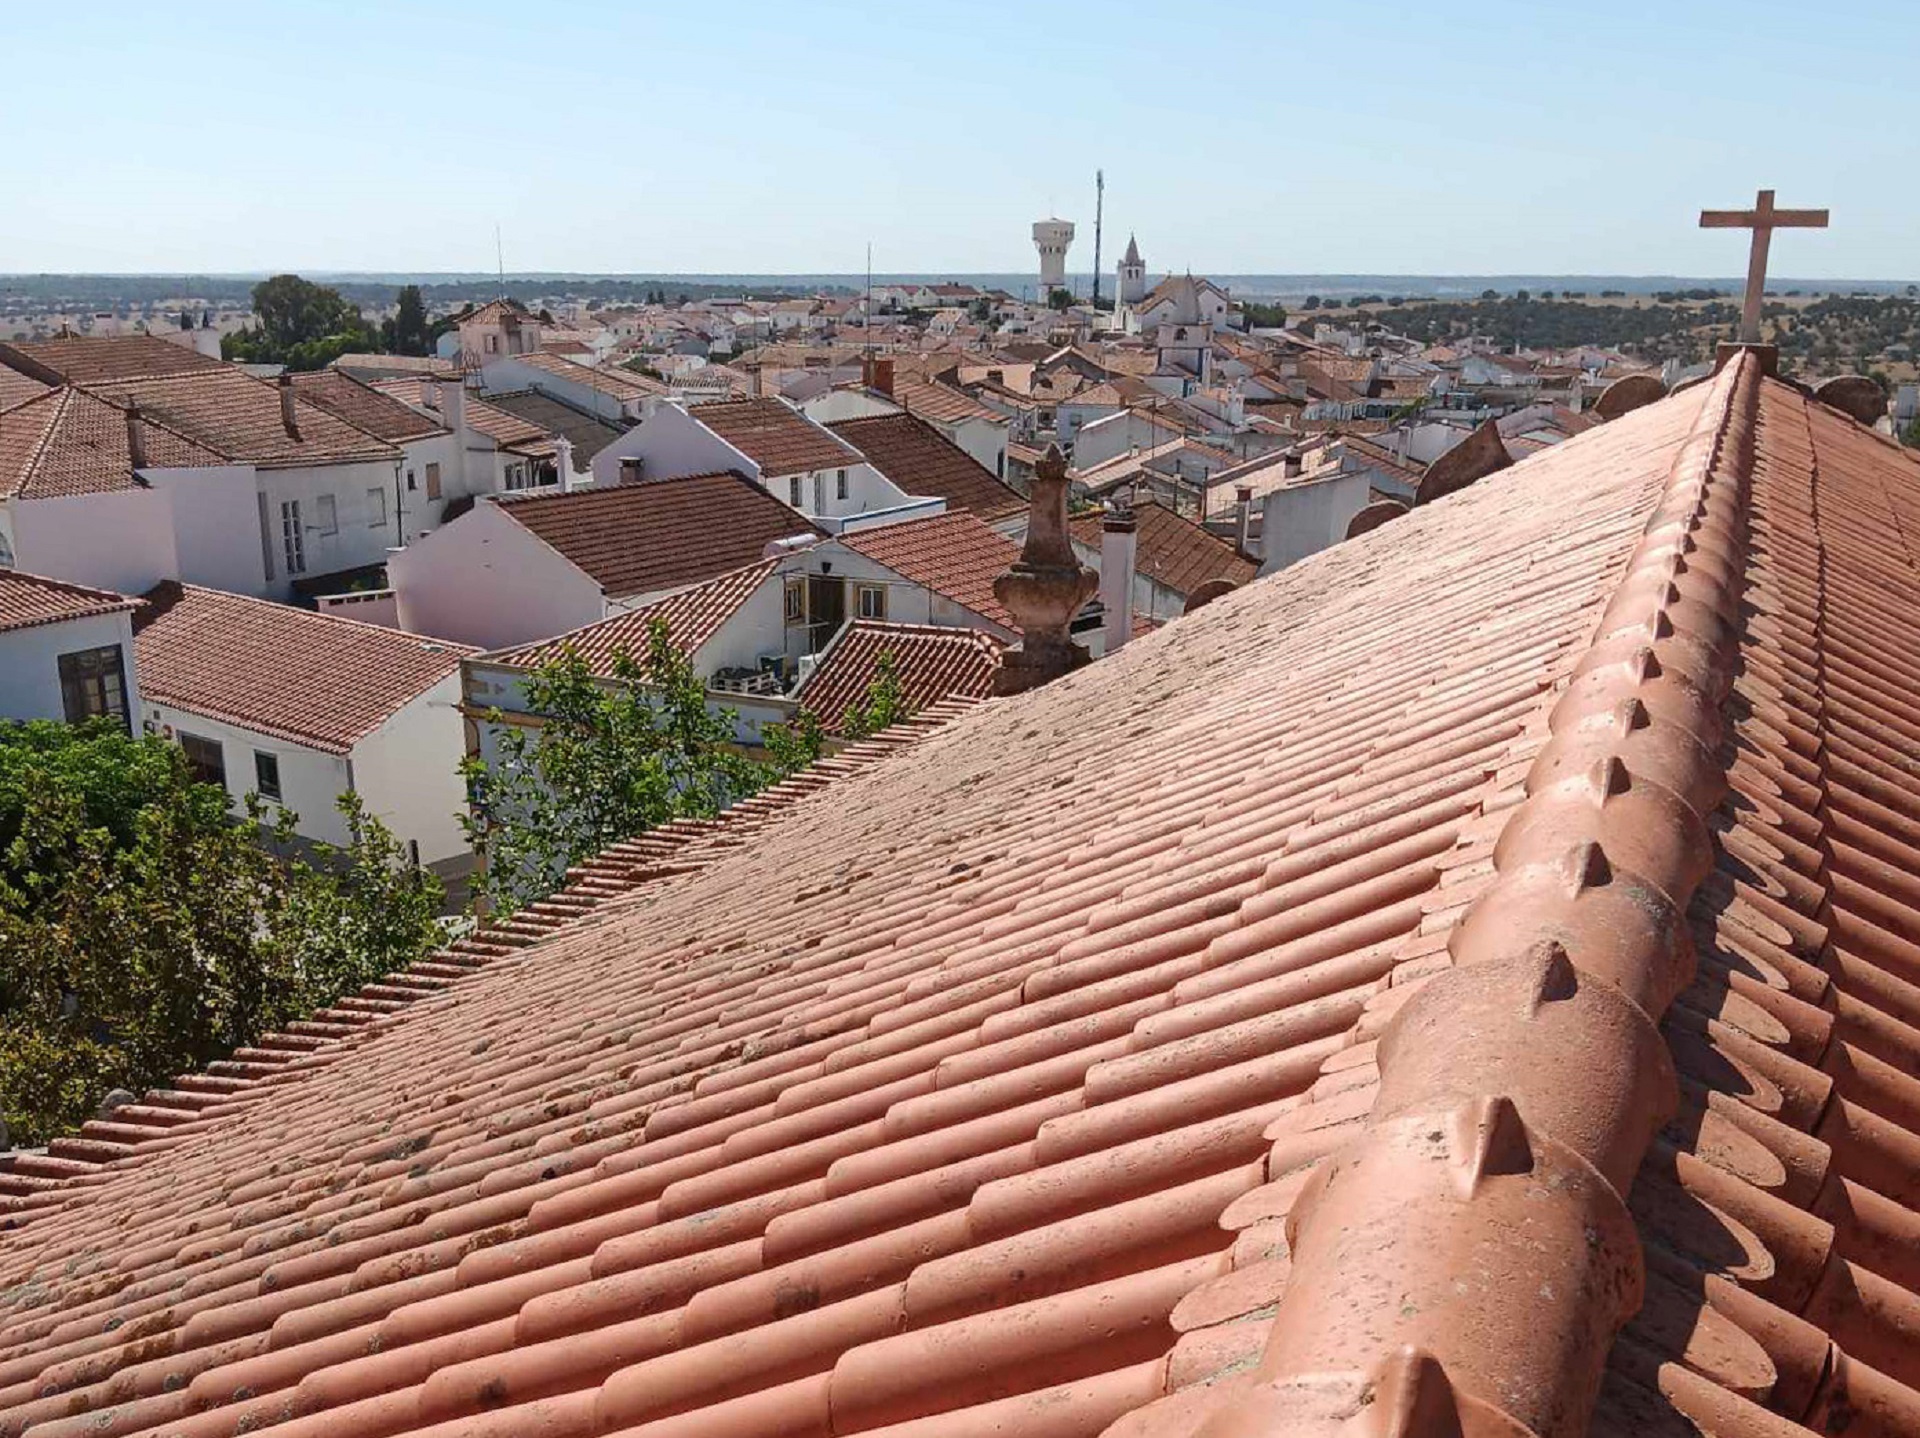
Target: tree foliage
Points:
(408, 332)
(610, 758)
(144, 933)
(301, 325)
(882, 705)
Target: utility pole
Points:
(1099, 205)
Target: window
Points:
(839, 484)
(93, 684)
(433, 480)
(326, 515)
(493, 344)
(266, 774)
(819, 493)
(376, 506)
(293, 537)
(872, 601)
(793, 491)
(796, 601)
(411, 486)
(518, 476)
(206, 758)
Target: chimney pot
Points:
(288, 419)
(1118, 549)
(1242, 516)
(1045, 588)
(631, 467)
(136, 438)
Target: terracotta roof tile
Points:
(1021, 1083)
(953, 554)
(619, 383)
(921, 460)
(27, 600)
(506, 429)
(661, 534)
(238, 416)
(1175, 551)
(318, 679)
(693, 616)
(363, 406)
(774, 435)
(931, 663)
(17, 388)
(80, 359)
(71, 442)
(941, 403)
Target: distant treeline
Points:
(1654, 331)
(87, 293)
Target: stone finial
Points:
(1045, 587)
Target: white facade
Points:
(672, 443)
(1124, 432)
(1302, 519)
(487, 580)
(30, 662)
(507, 375)
(406, 772)
(122, 540)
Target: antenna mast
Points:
(1099, 206)
(500, 259)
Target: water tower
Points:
(1051, 238)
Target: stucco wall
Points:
(310, 781)
(1304, 519)
(122, 540)
(408, 772)
(30, 663)
(485, 580)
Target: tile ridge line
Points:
(1467, 1254)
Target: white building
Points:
(616, 395)
(66, 652)
(500, 327)
(524, 568)
(771, 443)
(302, 708)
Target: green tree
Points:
(1059, 299)
(1910, 436)
(883, 704)
(410, 323)
(610, 758)
(300, 324)
(143, 932)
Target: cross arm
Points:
(1800, 219)
(1727, 219)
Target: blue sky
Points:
(1236, 138)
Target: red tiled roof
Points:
(693, 616)
(621, 384)
(363, 406)
(78, 359)
(1174, 551)
(71, 442)
(954, 554)
(238, 416)
(921, 460)
(1253, 1031)
(508, 431)
(27, 600)
(317, 679)
(660, 534)
(941, 403)
(774, 436)
(17, 388)
(931, 663)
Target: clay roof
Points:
(692, 616)
(587, 433)
(1297, 1017)
(363, 406)
(774, 435)
(317, 679)
(954, 554)
(71, 442)
(660, 534)
(931, 663)
(1174, 551)
(27, 600)
(238, 416)
(371, 366)
(79, 359)
(17, 388)
(941, 403)
(921, 460)
(507, 430)
(619, 383)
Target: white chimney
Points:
(563, 461)
(1117, 544)
(451, 400)
(1242, 515)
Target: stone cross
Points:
(1763, 220)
